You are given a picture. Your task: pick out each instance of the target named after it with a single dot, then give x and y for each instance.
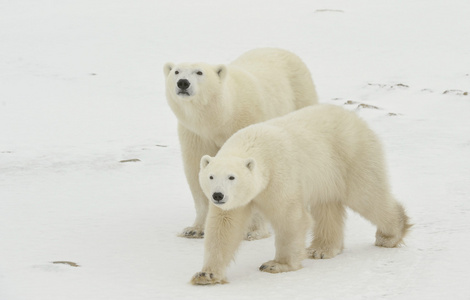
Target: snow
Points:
(82, 89)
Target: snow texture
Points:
(92, 191)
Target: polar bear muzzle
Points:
(183, 85)
(218, 198)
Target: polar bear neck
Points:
(195, 117)
(218, 113)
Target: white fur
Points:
(221, 99)
(311, 163)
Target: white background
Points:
(82, 88)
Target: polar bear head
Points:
(193, 82)
(230, 182)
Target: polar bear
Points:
(211, 102)
(309, 164)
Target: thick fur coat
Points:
(311, 163)
(211, 102)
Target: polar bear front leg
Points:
(290, 241)
(328, 230)
(193, 147)
(203, 278)
(224, 232)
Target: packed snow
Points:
(92, 190)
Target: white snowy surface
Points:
(82, 88)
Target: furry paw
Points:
(387, 241)
(393, 240)
(203, 278)
(257, 235)
(192, 233)
(319, 253)
(274, 267)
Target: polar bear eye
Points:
(199, 73)
(231, 178)
(211, 177)
(177, 72)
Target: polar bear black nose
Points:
(183, 84)
(218, 196)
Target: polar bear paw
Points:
(322, 253)
(273, 266)
(388, 241)
(192, 233)
(205, 278)
(257, 235)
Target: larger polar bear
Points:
(315, 161)
(211, 102)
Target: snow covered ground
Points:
(82, 89)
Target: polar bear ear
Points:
(205, 160)
(221, 71)
(167, 68)
(250, 163)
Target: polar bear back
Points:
(280, 77)
(319, 146)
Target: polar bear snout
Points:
(183, 87)
(218, 198)
(183, 84)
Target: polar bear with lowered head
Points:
(311, 163)
(211, 102)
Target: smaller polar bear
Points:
(212, 102)
(315, 161)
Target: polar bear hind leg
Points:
(390, 218)
(369, 195)
(258, 228)
(327, 230)
(393, 237)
